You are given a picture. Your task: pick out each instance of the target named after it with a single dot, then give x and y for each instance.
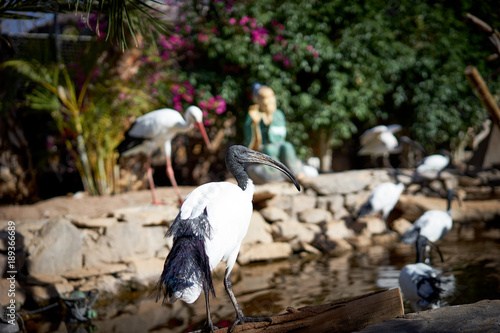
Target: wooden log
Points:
(484, 93)
(483, 316)
(341, 316)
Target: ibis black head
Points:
(237, 156)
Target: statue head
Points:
(266, 100)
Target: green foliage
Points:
(338, 68)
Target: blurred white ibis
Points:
(433, 163)
(420, 284)
(156, 130)
(383, 199)
(430, 227)
(380, 141)
(209, 228)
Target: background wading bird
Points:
(430, 227)
(156, 130)
(380, 141)
(420, 284)
(209, 228)
(383, 199)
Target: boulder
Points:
(315, 215)
(274, 214)
(297, 231)
(259, 231)
(121, 241)
(56, 249)
(348, 182)
(146, 272)
(148, 214)
(264, 252)
(335, 230)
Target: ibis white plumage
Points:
(383, 199)
(433, 163)
(209, 228)
(156, 130)
(380, 141)
(420, 284)
(429, 227)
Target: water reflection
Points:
(471, 267)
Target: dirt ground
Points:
(82, 204)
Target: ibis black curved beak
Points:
(252, 156)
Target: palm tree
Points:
(124, 17)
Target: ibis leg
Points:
(170, 174)
(209, 319)
(240, 317)
(151, 182)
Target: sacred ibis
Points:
(429, 228)
(433, 163)
(212, 222)
(383, 199)
(380, 141)
(420, 284)
(156, 130)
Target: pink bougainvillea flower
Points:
(244, 20)
(232, 21)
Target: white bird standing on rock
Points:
(380, 141)
(156, 130)
(420, 284)
(430, 227)
(209, 228)
(383, 199)
(433, 163)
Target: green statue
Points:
(265, 131)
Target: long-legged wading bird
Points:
(209, 228)
(430, 227)
(420, 284)
(380, 141)
(156, 130)
(383, 199)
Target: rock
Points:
(332, 247)
(105, 283)
(45, 294)
(348, 182)
(301, 246)
(335, 230)
(86, 222)
(57, 249)
(301, 203)
(259, 231)
(87, 272)
(122, 241)
(373, 225)
(284, 203)
(401, 225)
(315, 215)
(385, 238)
(263, 252)
(274, 214)
(148, 214)
(6, 286)
(297, 231)
(146, 272)
(360, 241)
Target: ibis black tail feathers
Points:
(186, 264)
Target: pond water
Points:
(472, 267)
